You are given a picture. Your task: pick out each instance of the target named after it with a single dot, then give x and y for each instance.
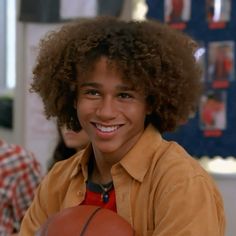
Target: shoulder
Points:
(177, 175)
(174, 157)
(64, 169)
(57, 181)
(176, 166)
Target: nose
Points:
(106, 109)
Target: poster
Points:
(213, 110)
(221, 63)
(177, 11)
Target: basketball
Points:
(86, 221)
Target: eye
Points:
(125, 95)
(91, 92)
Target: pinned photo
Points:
(177, 11)
(221, 63)
(218, 10)
(213, 110)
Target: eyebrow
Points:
(122, 87)
(90, 84)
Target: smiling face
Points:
(110, 111)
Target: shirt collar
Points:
(138, 160)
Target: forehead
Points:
(100, 68)
(103, 67)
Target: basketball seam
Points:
(88, 221)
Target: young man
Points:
(20, 174)
(125, 83)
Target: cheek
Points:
(137, 108)
(84, 109)
(80, 104)
(79, 108)
(136, 113)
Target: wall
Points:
(32, 130)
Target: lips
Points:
(106, 129)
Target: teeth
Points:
(106, 128)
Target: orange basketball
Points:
(86, 221)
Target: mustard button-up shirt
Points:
(160, 190)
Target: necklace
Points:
(105, 191)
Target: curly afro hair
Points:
(153, 57)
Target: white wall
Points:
(32, 130)
(7, 134)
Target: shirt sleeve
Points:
(28, 178)
(37, 213)
(192, 207)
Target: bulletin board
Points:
(212, 131)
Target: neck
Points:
(99, 171)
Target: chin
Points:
(107, 149)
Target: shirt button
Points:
(80, 193)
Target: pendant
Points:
(105, 197)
